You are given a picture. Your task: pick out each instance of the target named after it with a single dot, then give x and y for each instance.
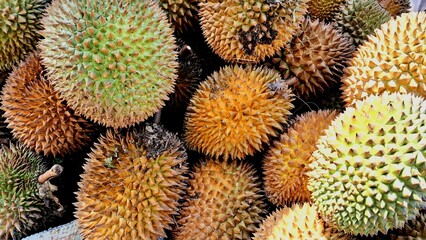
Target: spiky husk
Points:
(114, 63)
(413, 229)
(359, 18)
(396, 7)
(36, 115)
(236, 110)
(19, 29)
(368, 172)
(296, 222)
(182, 13)
(324, 10)
(223, 202)
(21, 207)
(316, 57)
(249, 31)
(285, 163)
(131, 185)
(393, 60)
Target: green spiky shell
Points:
(36, 115)
(360, 18)
(368, 172)
(223, 201)
(285, 163)
(324, 9)
(21, 206)
(114, 63)
(412, 230)
(131, 185)
(19, 29)
(387, 62)
(236, 110)
(396, 7)
(250, 30)
(182, 13)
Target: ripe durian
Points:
(19, 29)
(393, 60)
(182, 13)
(316, 58)
(250, 30)
(285, 163)
(36, 115)
(324, 10)
(21, 206)
(236, 110)
(114, 63)
(359, 18)
(395, 7)
(131, 185)
(368, 172)
(223, 202)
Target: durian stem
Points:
(291, 81)
(184, 49)
(157, 117)
(53, 172)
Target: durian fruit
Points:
(395, 7)
(36, 115)
(236, 110)
(413, 229)
(131, 185)
(359, 18)
(250, 30)
(316, 58)
(285, 163)
(19, 29)
(368, 172)
(393, 59)
(299, 222)
(324, 10)
(182, 13)
(223, 201)
(21, 207)
(114, 63)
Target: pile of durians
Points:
(213, 119)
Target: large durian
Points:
(19, 29)
(324, 10)
(368, 172)
(236, 110)
(250, 30)
(393, 60)
(36, 115)
(285, 164)
(114, 63)
(223, 201)
(182, 13)
(131, 185)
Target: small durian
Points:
(396, 7)
(19, 29)
(131, 185)
(223, 201)
(359, 18)
(285, 163)
(368, 170)
(324, 10)
(250, 30)
(114, 63)
(393, 60)
(236, 110)
(36, 115)
(21, 206)
(182, 13)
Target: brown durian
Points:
(395, 7)
(324, 10)
(182, 13)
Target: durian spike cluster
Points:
(413, 229)
(286, 162)
(36, 115)
(182, 13)
(131, 185)
(392, 60)
(395, 7)
(224, 201)
(324, 10)
(237, 110)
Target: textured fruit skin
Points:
(316, 57)
(236, 110)
(131, 185)
(21, 207)
(114, 63)
(387, 62)
(368, 172)
(395, 7)
(250, 30)
(412, 230)
(36, 115)
(19, 29)
(324, 10)
(300, 221)
(223, 201)
(285, 163)
(360, 18)
(182, 13)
